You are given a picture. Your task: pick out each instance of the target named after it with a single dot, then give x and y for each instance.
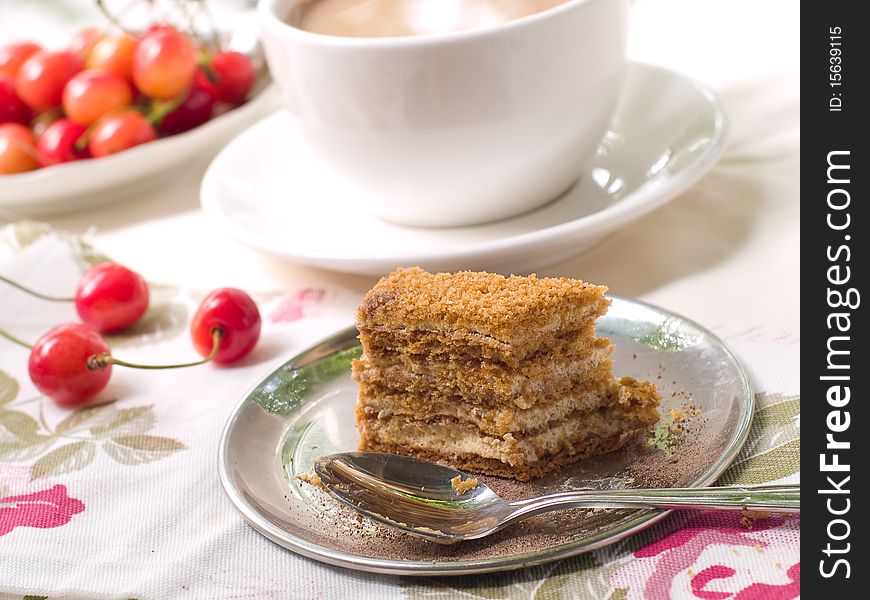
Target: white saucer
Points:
(268, 191)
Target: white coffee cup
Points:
(456, 128)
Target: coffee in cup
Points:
(389, 18)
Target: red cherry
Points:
(12, 108)
(42, 77)
(111, 297)
(57, 144)
(120, 131)
(164, 64)
(236, 315)
(17, 149)
(91, 94)
(235, 77)
(14, 55)
(196, 109)
(114, 54)
(58, 364)
(18, 131)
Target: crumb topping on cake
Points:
(506, 308)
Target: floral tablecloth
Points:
(123, 500)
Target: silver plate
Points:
(305, 409)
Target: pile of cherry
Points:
(72, 363)
(106, 93)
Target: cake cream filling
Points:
(492, 420)
(486, 383)
(573, 434)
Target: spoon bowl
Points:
(421, 498)
(411, 494)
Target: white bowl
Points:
(86, 183)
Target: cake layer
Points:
(593, 446)
(464, 439)
(502, 318)
(453, 359)
(487, 383)
(378, 402)
(625, 397)
(456, 345)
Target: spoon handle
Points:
(771, 498)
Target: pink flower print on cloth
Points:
(28, 503)
(714, 557)
(297, 305)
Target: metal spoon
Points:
(417, 497)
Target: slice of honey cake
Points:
(496, 375)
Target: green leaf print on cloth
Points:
(139, 449)
(24, 233)
(773, 448)
(120, 433)
(65, 459)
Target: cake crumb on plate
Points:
(311, 478)
(751, 516)
(463, 485)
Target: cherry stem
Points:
(82, 142)
(99, 361)
(161, 108)
(208, 71)
(14, 339)
(15, 284)
(47, 117)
